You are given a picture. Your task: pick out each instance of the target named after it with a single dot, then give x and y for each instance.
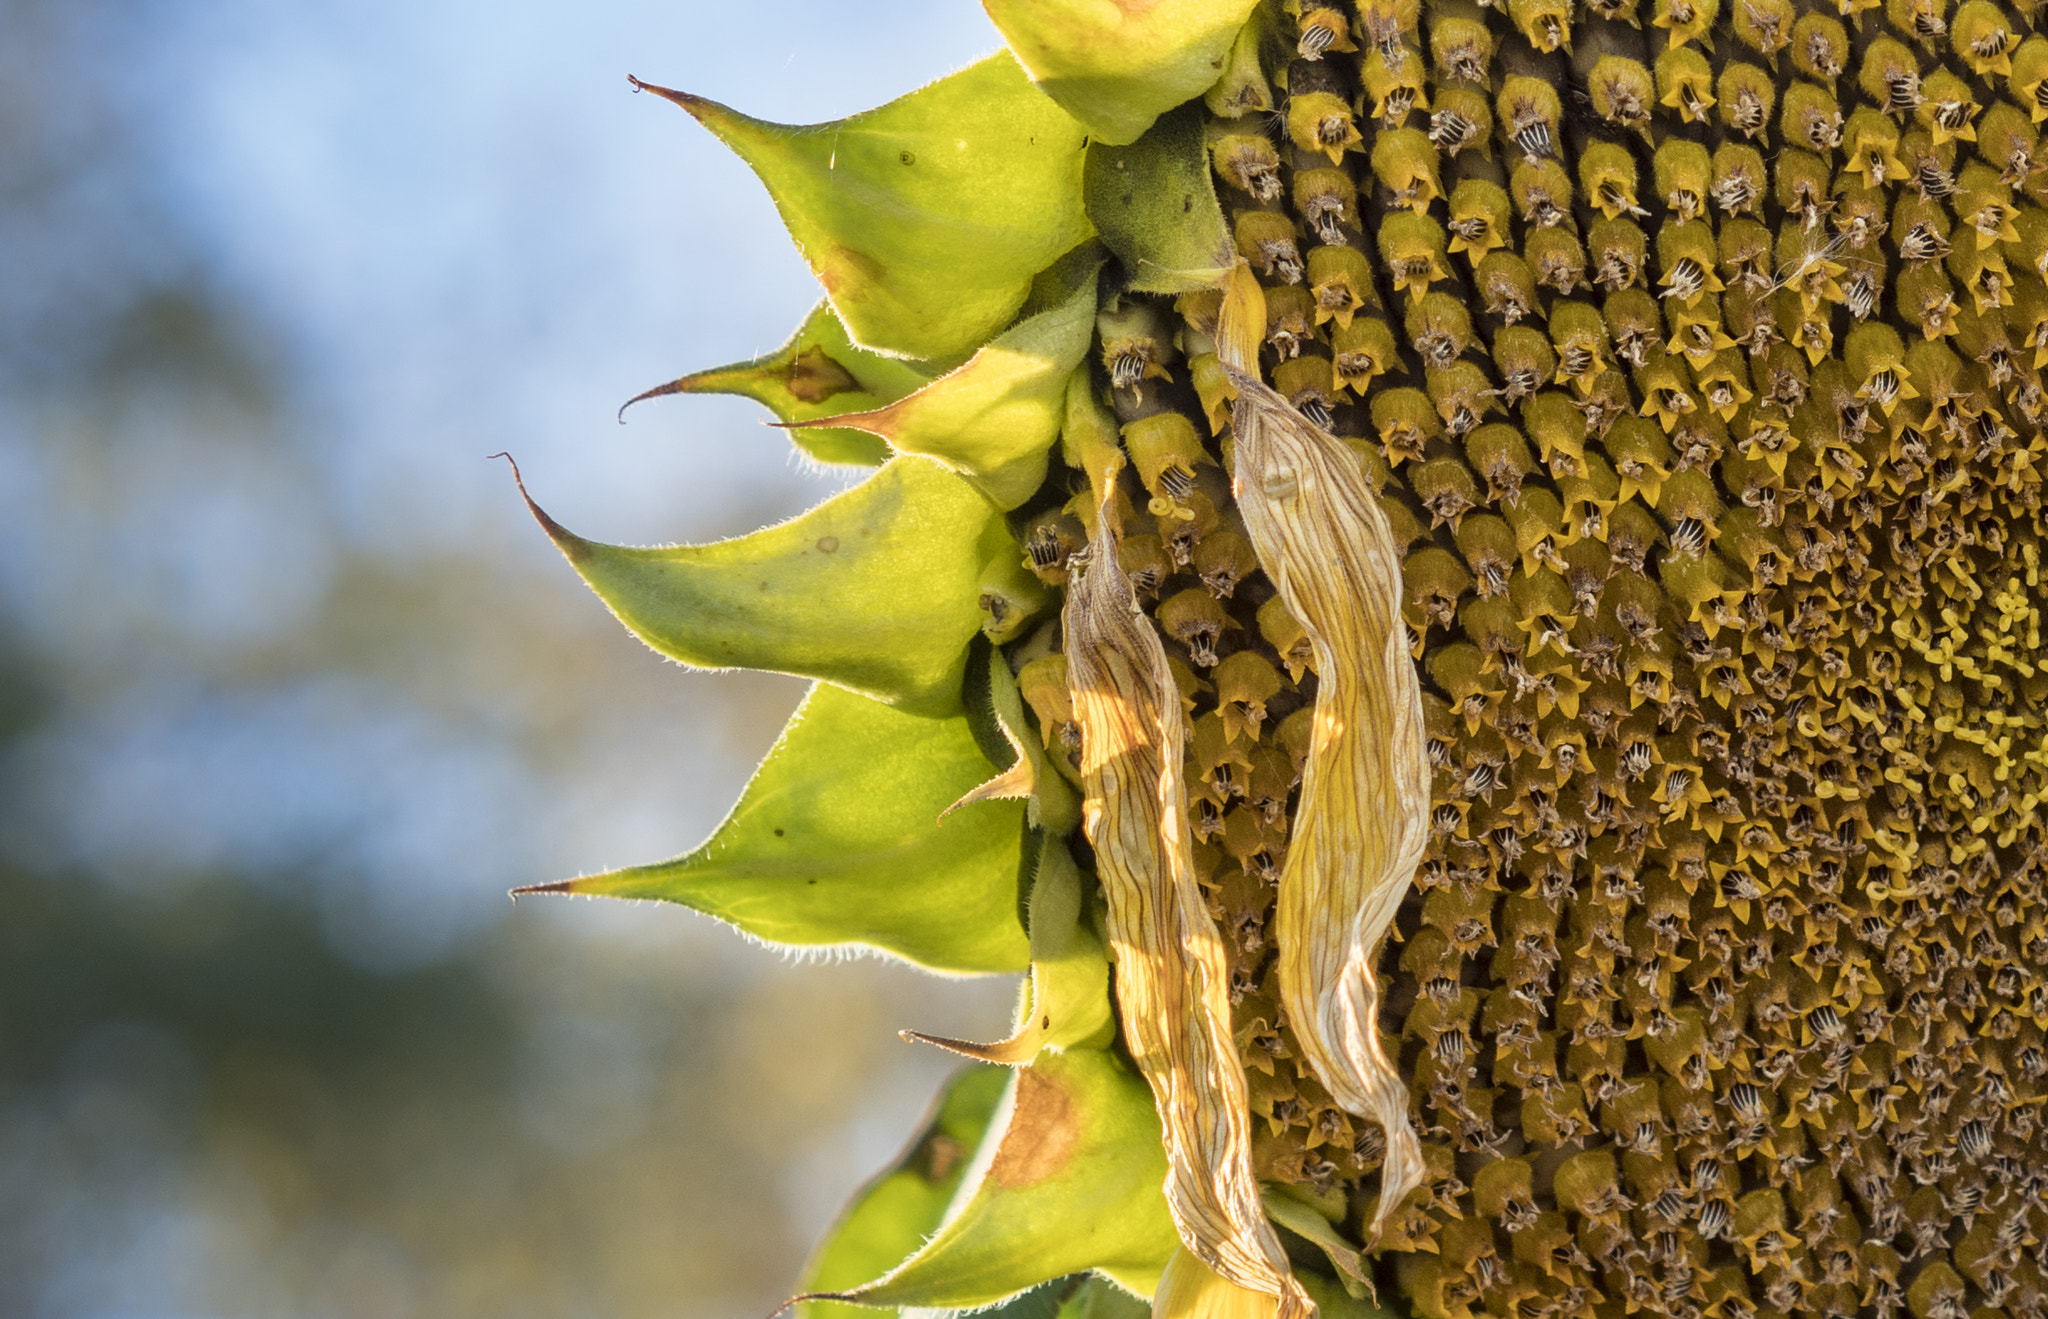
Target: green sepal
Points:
(1304, 1221)
(817, 373)
(995, 418)
(996, 710)
(1073, 1182)
(1117, 66)
(1154, 204)
(837, 840)
(890, 1217)
(877, 589)
(1066, 1001)
(924, 219)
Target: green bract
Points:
(925, 219)
(1071, 1182)
(876, 589)
(892, 1215)
(1154, 204)
(837, 840)
(818, 373)
(1066, 1001)
(1309, 1223)
(995, 419)
(1116, 65)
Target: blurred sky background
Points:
(291, 690)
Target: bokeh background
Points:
(291, 692)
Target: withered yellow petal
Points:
(1172, 975)
(1360, 829)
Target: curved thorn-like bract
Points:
(817, 373)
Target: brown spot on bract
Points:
(848, 272)
(814, 377)
(827, 544)
(1044, 1129)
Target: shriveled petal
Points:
(1172, 976)
(1362, 822)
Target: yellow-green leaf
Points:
(1072, 1183)
(817, 373)
(837, 840)
(1066, 1001)
(1154, 204)
(877, 589)
(994, 419)
(891, 1216)
(1116, 65)
(927, 218)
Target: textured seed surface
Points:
(1718, 989)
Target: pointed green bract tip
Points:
(1067, 1000)
(820, 371)
(891, 1216)
(925, 219)
(1116, 65)
(837, 840)
(877, 589)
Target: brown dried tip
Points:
(567, 541)
(659, 391)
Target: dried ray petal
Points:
(1361, 828)
(1172, 971)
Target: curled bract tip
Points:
(566, 540)
(688, 101)
(928, 218)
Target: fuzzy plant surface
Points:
(1460, 586)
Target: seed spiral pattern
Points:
(1694, 348)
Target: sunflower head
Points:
(1458, 588)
